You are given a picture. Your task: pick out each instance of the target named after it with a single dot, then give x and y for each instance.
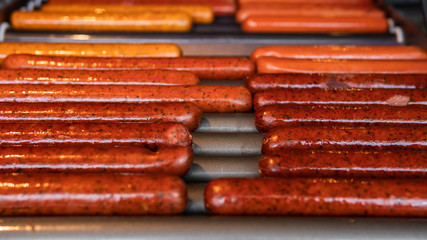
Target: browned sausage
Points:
(345, 138)
(273, 116)
(352, 96)
(208, 98)
(206, 68)
(261, 82)
(347, 164)
(101, 77)
(349, 3)
(186, 113)
(91, 194)
(150, 135)
(174, 160)
(275, 196)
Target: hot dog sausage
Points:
(345, 138)
(262, 82)
(91, 49)
(150, 135)
(273, 116)
(275, 196)
(206, 68)
(352, 96)
(346, 164)
(91, 194)
(174, 160)
(130, 22)
(283, 65)
(341, 52)
(347, 2)
(101, 77)
(207, 98)
(186, 113)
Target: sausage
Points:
(336, 197)
(186, 113)
(199, 13)
(338, 2)
(255, 11)
(207, 98)
(91, 49)
(352, 96)
(306, 5)
(267, 24)
(130, 22)
(101, 77)
(261, 82)
(341, 52)
(344, 164)
(345, 138)
(91, 194)
(273, 116)
(206, 68)
(149, 135)
(174, 160)
(283, 65)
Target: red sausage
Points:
(91, 194)
(206, 68)
(352, 96)
(273, 116)
(262, 82)
(284, 65)
(150, 135)
(346, 164)
(207, 98)
(275, 196)
(110, 77)
(345, 138)
(186, 113)
(174, 160)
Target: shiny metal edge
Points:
(227, 122)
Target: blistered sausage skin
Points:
(206, 68)
(101, 77)
(91, 194)
(349, 3)
(207, 98)
(344, 164)
(174, 160)
(337, 197)
(274, 116)
(186, 113)
(353, 96)
(262, 82)
(346, 138)
(149, 135)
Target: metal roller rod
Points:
(228, 123)
(195, 204)
(227, 144)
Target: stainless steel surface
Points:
(195, 204)
(206, 168)
(227, 122)
(212, 227)
(227, 144)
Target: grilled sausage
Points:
(273, 116)
(130, 22)
(150, 135)
(207, 98)
(345, 138)
(346, 2)
(186, 113)
(91, 194)
(341, 52)
(91, 49)
(267, 24)
(101, 77)
(347, 164)
(275, 196)
(283, 65)
(206, 68)
(352, 96)
(174, 160)
(262, 82)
